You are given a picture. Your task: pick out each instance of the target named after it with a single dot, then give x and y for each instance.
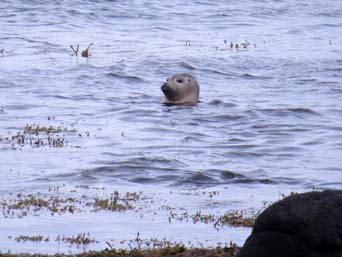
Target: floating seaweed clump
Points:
(36, 239)
(234, 218)
(85, 53)
(38, 136)
(22, 205)
(36, 129)
(174, 251)
(112, 203)
(30, 201)
(80, 239)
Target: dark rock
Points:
(301, 225)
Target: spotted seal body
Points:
(181, 89)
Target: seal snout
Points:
(168, 91)
(164, 88)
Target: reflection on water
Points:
(269, 120)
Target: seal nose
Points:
(164, 87)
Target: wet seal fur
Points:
(181, 89)
(301, 225)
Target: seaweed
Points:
(85, 53)
(22, 205)
(178, 250)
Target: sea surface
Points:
(269, 121)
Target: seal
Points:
(182, 89)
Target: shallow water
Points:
(269, 121)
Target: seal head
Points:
(181, 89)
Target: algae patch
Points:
(234, 218)
(35, 135)
(174, 251)
(21, 205)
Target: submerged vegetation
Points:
(35, 135)
(54, 202)
(21, 205)
(83, 198)
(85, 53)
(178, 250)
(36, 129)
(234, 218)
(37, 239)
(64, 200)
(81, 239)
(243, 45)
(112, 203)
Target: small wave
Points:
(165, 179)
(188, 66)
(337, 69)
(215, 102)
(305, 81)
(133, 167)
(254, 181)
(219, 15)
(32, 41)
(288, 111)
(217, 177)
(214, 71)
(333, 13)
(217, 118)
(230, 175)
(56, 96)
(250, 76)
(123, 76)
(137, 112)
(22, 106)
(302, 110)
(220, 102)
(148, 173)
(199, 179)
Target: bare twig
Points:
(75, 51)
(110, 246)
(90, 45)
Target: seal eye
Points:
(179, 80)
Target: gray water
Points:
(269, 121)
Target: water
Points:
(269, 121)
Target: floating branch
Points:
(244, 45)
(75, 50)
(85, 53)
